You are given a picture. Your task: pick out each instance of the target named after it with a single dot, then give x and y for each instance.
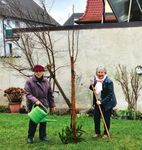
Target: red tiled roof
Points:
(94, 12)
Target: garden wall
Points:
(107, 46)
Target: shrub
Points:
(23, 110)
(131, 85)
(128, 115)
(4, 109)
(66, 135)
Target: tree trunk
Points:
(60, 88)
(73, 100)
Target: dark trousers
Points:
(97, 118)
(32, 129)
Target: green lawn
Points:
(126, 135)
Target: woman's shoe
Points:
(105, 136)
(30, 140)
(96, 135)
(44, 139)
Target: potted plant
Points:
(15, 97)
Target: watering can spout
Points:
(45, 119)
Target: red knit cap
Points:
(38, 68)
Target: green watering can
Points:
(39, 114)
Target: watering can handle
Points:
(42, 106)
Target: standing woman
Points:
(103, 87)
(38, 91)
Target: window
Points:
(8, 22)
(11, 50)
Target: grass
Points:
(126, 135)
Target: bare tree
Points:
(130, 84)
(30, 48)
(73, 40)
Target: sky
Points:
(60, 10)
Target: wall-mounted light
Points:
(138, 69)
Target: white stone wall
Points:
(109, 47)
